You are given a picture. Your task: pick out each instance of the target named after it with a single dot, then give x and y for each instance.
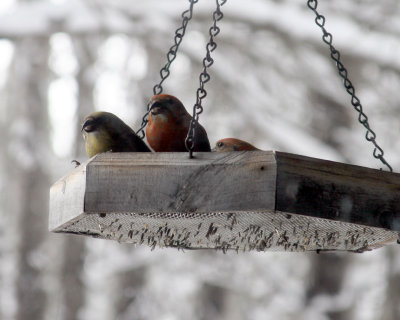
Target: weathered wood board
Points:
(171, 182)
(259, 200)
(337, 191)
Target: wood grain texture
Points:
(67, 198)
(337, 191)
(171, 182)
(256, 181)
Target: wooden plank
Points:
(67, 198)
(171, 182)
(337, 191)
(240, 200)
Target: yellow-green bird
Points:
(104, 131)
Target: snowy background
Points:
(273, 84)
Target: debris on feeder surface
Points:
(244, 231)
(243, 201)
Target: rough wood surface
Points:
(243, 201)
(257, 183)
(171, 182)
(337, 191)
(67, 198)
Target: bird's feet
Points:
(77, 163)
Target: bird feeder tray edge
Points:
(122, 196)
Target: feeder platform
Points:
(250, 200)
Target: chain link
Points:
(355, 101)
(171, 55)
(204, 77)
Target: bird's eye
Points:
(89, 125)
(155, 105)
(220, 144)
(155, 110)
(89, 128)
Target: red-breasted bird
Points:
(104, 131)
(169, 124)
(232, 144)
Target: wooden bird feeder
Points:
(254, 200)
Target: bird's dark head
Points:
(99, 131)
(164, 107)
(96, 120)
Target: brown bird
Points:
(104, 131)
(232, 144)
(169, 124)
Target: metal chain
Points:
(335, 55)
(171, 55)
(204, 77)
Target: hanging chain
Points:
(204, 77)
(171, 55)
(335, 55)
